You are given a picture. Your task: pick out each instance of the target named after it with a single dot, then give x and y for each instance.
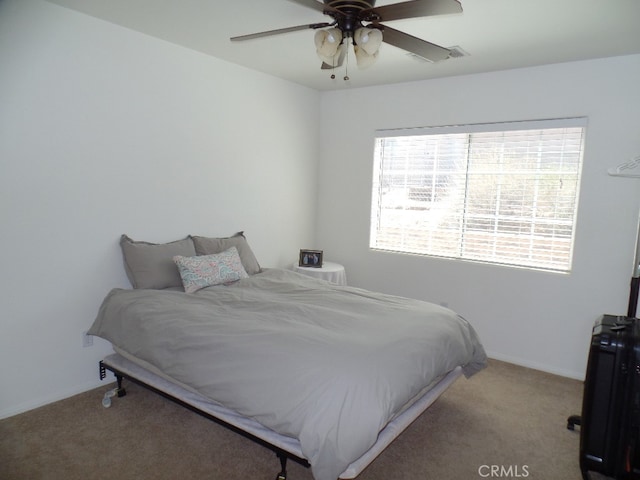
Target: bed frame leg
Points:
(121, 391)
(283, 465)
(103, 373)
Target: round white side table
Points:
(330, 271)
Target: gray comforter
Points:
(325, 364)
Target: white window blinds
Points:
(500, 193)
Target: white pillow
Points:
(207, 270)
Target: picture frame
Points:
(310, 258)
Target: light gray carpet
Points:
(506, 416)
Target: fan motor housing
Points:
(350, 6)
(349, 18)
(355, 4)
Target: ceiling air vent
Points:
(457, 52)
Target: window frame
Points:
(469, 130)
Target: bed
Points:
(327, 375)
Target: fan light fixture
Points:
(328, 43)
(366, 44)
(331, 43)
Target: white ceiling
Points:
(497, 34)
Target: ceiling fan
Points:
(359, 22)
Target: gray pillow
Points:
(210, 245)
(151, 265)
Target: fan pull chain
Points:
(333, 65)
(346, 62)
(346, 66)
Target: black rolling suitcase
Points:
(610, 420)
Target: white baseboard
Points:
(60, 395)
(537, 366)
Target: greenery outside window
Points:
(504, 193)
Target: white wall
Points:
(538, 319)
(105, 131)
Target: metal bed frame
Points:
(285, 448)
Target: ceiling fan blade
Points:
(268, 33)
(319, 6)
(422, 48)
(411, 9)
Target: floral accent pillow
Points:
(207, 270)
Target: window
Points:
(498, 193)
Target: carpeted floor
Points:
(505, 422)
